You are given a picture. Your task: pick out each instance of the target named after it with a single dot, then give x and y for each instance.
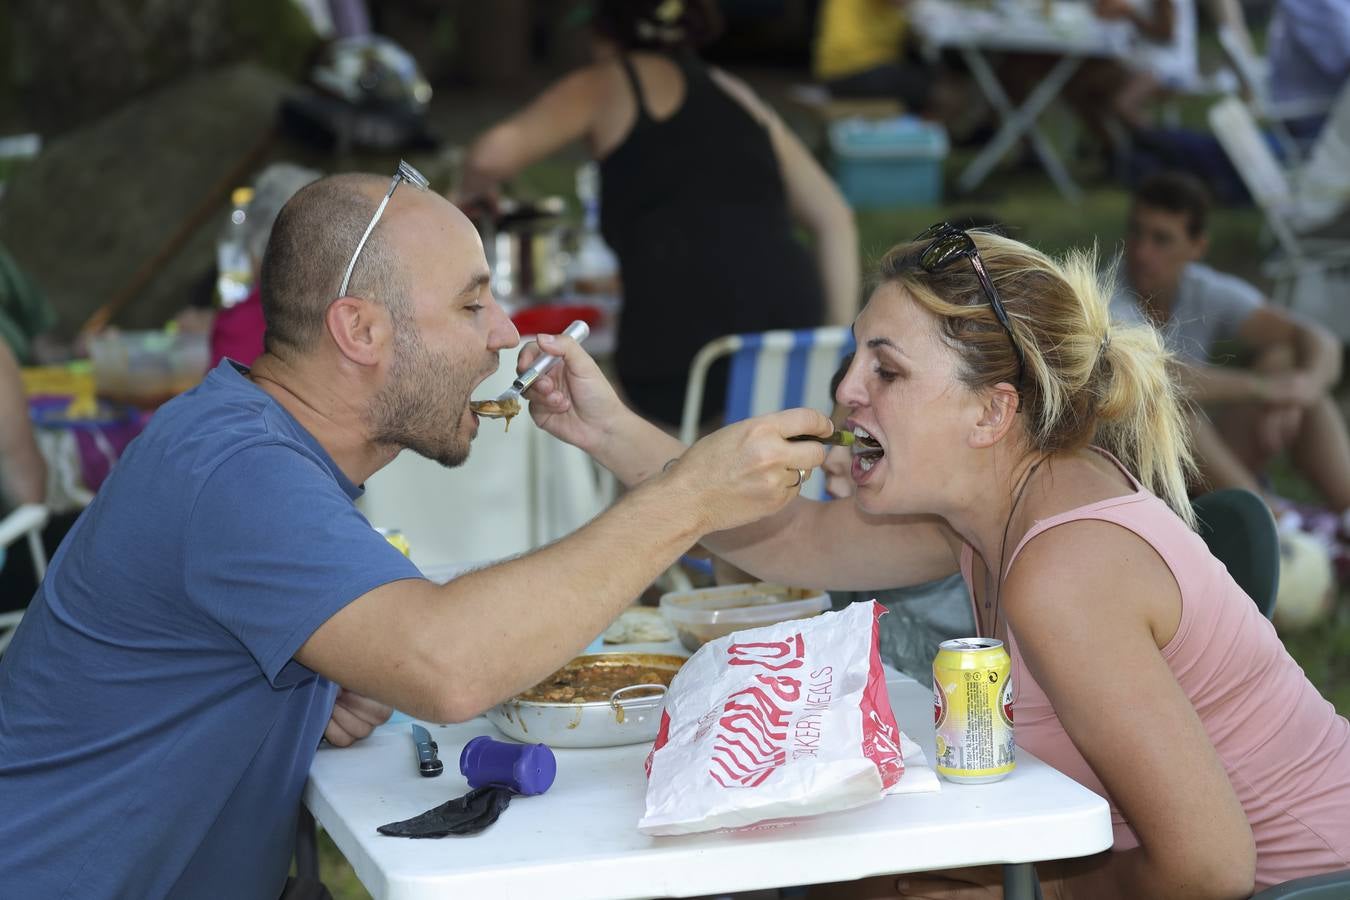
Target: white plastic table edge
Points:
(1082, 828)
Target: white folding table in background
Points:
(1070, 32)
(580, 839)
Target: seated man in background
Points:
(165, 693)
(1279, 399)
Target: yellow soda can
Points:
(395, 537)
(972, 710)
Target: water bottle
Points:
(594, 270)
(234, 267)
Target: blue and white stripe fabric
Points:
(776, 370)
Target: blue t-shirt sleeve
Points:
(274, 547)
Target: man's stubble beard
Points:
(411, 410)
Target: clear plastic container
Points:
(705, 614)
(146, 368)
(888, 162)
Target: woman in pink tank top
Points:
(1009, 430)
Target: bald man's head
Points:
(311, 244)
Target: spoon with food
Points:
(507, 405)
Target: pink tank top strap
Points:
(1090, 511)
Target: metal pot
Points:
(622, 719)
(525, 244)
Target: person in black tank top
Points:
(699, 205)
(696, 211)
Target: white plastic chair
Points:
(770, 371)
(1270, 186)
(28, 520)
(1253, 73)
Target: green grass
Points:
(336, 873)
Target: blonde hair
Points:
(1087, 381)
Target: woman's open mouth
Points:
(866, 450)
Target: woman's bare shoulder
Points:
(1099, 570)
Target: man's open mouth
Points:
(865, 448)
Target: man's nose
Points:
(502, 333)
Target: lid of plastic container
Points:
(701, 607)
(895, 137)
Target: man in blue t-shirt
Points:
(1277, 401)
(163, 698)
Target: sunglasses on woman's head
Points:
(947, 243)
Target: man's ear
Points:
(360, 329)
(996, 416)
(1199, 247)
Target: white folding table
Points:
(580, 839)
(1070, 32)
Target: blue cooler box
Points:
(888, 162)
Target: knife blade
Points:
(427, 761)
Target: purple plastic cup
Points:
(524, 768)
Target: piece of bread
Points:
(638, 625)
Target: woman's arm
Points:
(808, 544)
(23, 472)
(1091, 604)
(815, 202)
(563, 113)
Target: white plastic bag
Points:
(787, 720)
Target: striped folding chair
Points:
(770, 371)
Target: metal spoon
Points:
(507, 403)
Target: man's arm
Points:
(1316, 351)
(1207, 384)
(354, 717)
(1316, 368)
(810, 544)
(447, 652)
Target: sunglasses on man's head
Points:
(948, 243)
(405, 173)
